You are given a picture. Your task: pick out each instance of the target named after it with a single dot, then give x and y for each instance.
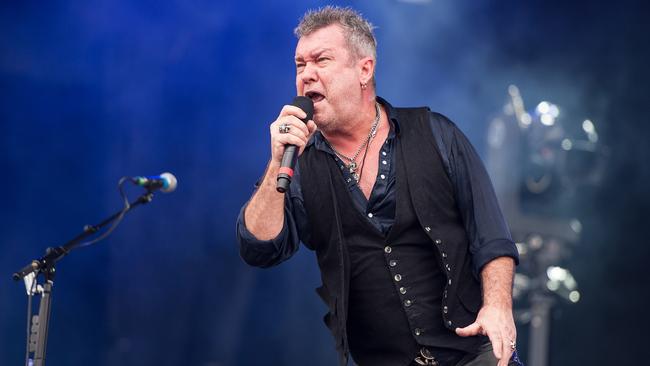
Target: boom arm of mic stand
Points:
(53, 255)
(39, 324)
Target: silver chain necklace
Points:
(352, 165)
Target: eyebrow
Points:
(315, 53)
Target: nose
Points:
(309, 73)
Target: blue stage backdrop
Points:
(94, 90)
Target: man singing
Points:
(416, 259)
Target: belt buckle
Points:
(426, 358)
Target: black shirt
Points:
(371, 284)
(488, 233)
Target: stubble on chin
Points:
(325, 125)
(327, 122)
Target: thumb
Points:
(311, 126)
(470, 330)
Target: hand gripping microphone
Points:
(166, 182)
(291, 151)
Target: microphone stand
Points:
(37, 340)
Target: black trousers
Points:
(484, 357)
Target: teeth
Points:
(315, 96)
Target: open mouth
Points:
(315, 96)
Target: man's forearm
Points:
(496, 277)
(264, 214)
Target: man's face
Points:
(328, 74)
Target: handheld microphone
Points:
(166, 182)
(290, 155)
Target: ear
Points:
(366, 69)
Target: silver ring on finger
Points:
(284, 128)
(513, 345)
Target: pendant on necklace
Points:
(352, 167)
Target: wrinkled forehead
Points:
(329, 38)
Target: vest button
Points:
(392, 263)
(417, 331)
(449, 323)
(449, 282)
(398, 277)
(444, 255)
(402, 290)
(448, 268)
(427, 228)
(438, 241)
(408, 303)
(388, 249)
(445, 309)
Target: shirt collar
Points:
(318, 140)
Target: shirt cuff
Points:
(491, 250)
(255, 252)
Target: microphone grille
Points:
(306, 104)
(172, 182)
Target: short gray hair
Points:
(357, 30)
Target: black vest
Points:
(427, 229)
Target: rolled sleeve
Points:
(268, 253)
(491, 250)
(259, 253)
(484, 223)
